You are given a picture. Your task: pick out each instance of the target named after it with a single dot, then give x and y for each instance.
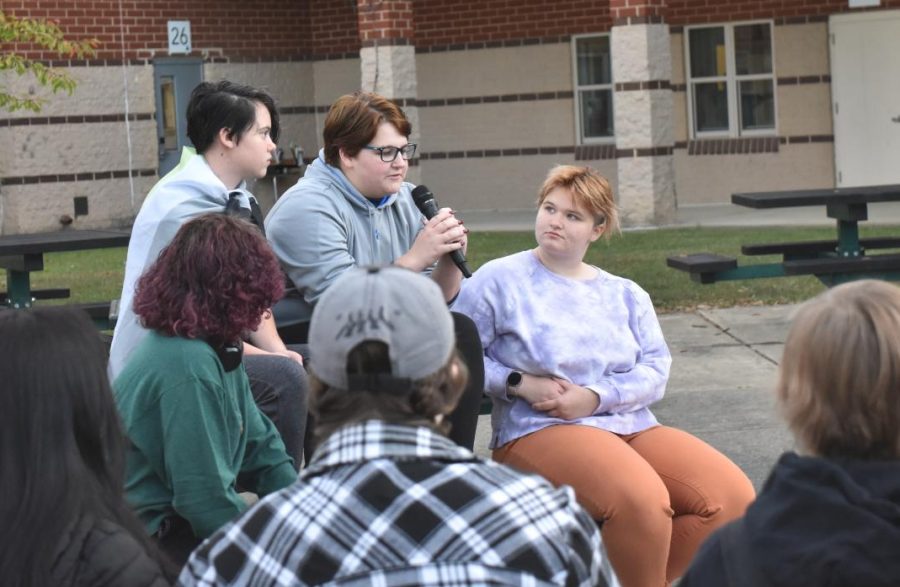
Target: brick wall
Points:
(222, 28)
(334, 29)
(380, 20)
(684, 12)
(449, 22)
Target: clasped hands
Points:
(557, 397)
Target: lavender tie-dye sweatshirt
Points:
(601, 333)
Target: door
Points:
(174, 81)
(865, 85)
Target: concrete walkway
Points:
(724, 369)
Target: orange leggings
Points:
(659, 492)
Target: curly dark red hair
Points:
(213, 281)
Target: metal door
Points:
(865, 83)
(174, 80)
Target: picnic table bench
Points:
(23, 254)
(845, 258)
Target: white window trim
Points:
(576, 102)
(731, 81)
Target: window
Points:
(731, 82)
(593, 88)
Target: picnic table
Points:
(22, 254)
(844, 258)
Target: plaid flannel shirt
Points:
(384, 504)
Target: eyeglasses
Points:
(389, 154)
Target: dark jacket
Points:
(816, 522)
(99, 554)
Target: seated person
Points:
(831, 514)
(387, 499)
(574, 356)
(355, 209)
(233, 128)
(62, 449)
(184, 396)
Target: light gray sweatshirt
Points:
(323, 226)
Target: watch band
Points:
(513, 383)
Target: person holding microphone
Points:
(353, 207)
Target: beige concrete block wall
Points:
(488, 72)
(538, 123)
(39, 207)
(51, 149)
(76, 147)
(801, 49)
(711, 179)
(805, 110)
(101, 90)
(497, 183)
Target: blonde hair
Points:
(839, 382)
(589, 189)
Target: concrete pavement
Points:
(724, 370)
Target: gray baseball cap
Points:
(401, 308)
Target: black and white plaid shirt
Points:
(383, 504)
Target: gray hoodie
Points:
(323, 226)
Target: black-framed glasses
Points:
(389, 154)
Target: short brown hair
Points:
(839, 382)
(353, 120)
(433, 395)
(589, 189)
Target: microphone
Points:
(424, 200)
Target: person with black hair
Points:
(64, 517)
(388, 499)
(233, 129)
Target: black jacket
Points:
(816, 522)
(99, 553)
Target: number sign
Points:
(179, 33)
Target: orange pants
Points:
(659, 492)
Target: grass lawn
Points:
(639, 255)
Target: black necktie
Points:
(254, 214)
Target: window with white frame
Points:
(731, 79)
(593, 88)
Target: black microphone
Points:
(426, 204)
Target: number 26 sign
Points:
(179, 33)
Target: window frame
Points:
(732, 81)
(578, 88)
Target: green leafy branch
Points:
(48, 36)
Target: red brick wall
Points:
(448, 22)
(228, 28)
(334, 28)
(684, 12)
(385, 19)
(631, 9)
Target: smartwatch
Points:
(513, 383)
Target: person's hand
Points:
(442, 234)
(535, 389)
(574, 402)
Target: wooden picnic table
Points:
(21, 254)
(831, 261)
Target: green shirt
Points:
(194, 429)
